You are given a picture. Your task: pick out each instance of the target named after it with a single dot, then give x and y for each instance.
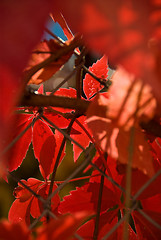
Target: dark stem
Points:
(96, 228)
(59, 155)
(76, 42)
(36, 100)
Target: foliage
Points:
(112, 125)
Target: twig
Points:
(96, 228)
(36, 100)
(64, 133)
(128, 182)
(58, 156)
(76, 42)
(77, 170)
(27, 187)
(149, 219)
(105, 82)
(141, 190)
(108, 177)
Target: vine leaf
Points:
(100, 69)
(41, 53)
(62, 228)
(86, 197)
(18, 152)
(26, 203)
(15, 231)
(44, 144)
(141, 223)
(111, 116)
(18, 38)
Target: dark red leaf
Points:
(153, 203)
(20, 148)
(37, 206)
(81, 138)
(14, 231)
(22, 193)
(44, 146)
(20, 211)
(22, 27)
(86, 197)
(144, 228)
(63, 227)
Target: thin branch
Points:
(105, 82)
(64, 81)
(59, 155)
(11, 144)
(27, 187)
(149, 219)
(77, 170)
(108, 177)
(64, 133)
(113, 229)
(96, 228)
(141, 190)
(36, 100)
(76, 42)
(128, 182)
(54, 36)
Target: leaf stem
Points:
(76, 171)
(96, 228)
(128, 183)
(59, 155)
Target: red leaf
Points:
(22, 193)
(145, 229)
(48, 47)
(14, 231)
(81, 137)
(109, 138)
(63, 227)
(142, 178)
(20, 211)
(152, 203)
(128, 101)
(22, 27)
(44, 146)
(100, 69)
(57, 119)
(21, 207)
(19, 149)
(111, 117)
(37, 206)
(86, 197)
(26, 203)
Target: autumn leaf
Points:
(62, 228)
(100, 69)
(44, 146)
(27, 204)
(85, 198)
(15, 231)
(22, 27)
(111, 117)
(20, 148)
(42, 52)
(127, 102)
(144, 228)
